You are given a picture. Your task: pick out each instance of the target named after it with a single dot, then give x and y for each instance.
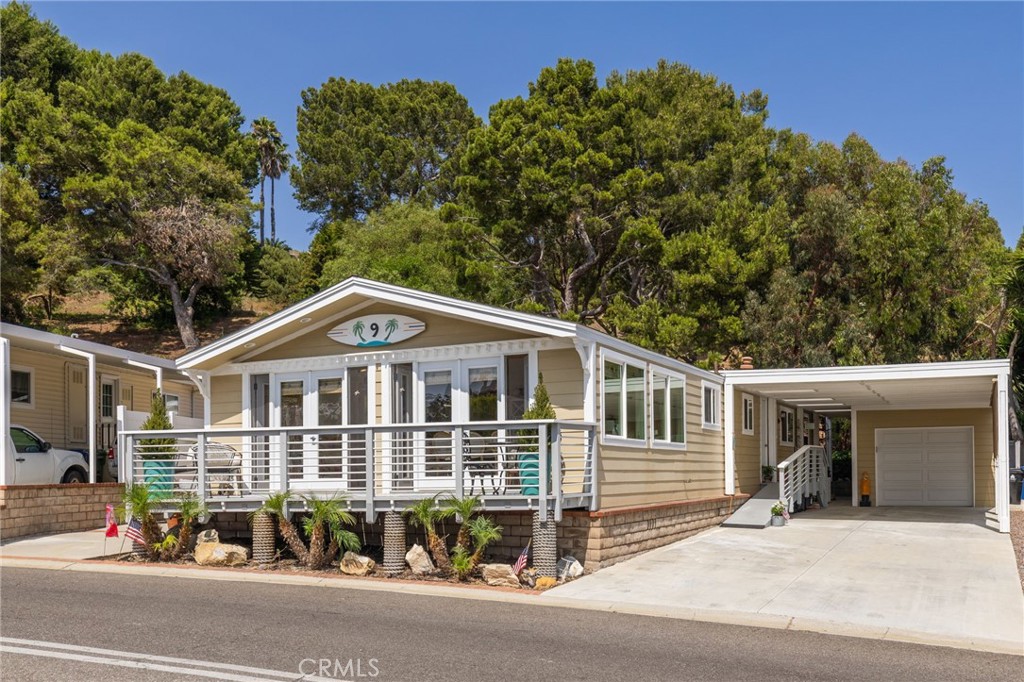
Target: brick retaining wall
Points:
(60, 508)
(596, 539)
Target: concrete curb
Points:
(747, 619)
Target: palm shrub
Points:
(463, 508)
(138, 501)
(325, 525)
(277, 506)
(190, 508)
(426, 514)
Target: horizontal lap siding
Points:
(563, 378)
(226, 403)
(748, 448)
(981, 419)
(47, 414)
(440, 331)
(639, 476)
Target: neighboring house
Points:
(49, 378)
(387, 394)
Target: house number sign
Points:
(376, 330)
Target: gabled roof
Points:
(368, 289)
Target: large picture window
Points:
(787, 426)
(668, 407)
(624, 398)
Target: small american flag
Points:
(520, 564)
(134, 532)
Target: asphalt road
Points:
(57, 625)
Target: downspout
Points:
(91, 358)
(6, 469)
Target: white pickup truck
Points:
(36, 462)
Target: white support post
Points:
(6, 467)
(854, 475)
(91, 359)
(201, 466)
(542, 473)
(369, 447)
(1002, 452)
(730, 438)
(772, 419)
(556, 469)
(157, 370)
(458, 443)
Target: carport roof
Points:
(933, 385)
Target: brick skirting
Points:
(597, 539)
(60, 508)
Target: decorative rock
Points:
(499, 575)
(220, 554)
(545, 582)
(355, 564)
(207, 536)
(418, 561)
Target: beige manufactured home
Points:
(69, 391)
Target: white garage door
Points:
(925, 466)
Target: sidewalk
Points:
(86, 544)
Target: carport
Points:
(926, 435)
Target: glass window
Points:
(328, 399)
(786, 426)
(483, 394)
(25, 441)
(437, 395)
(636, 403)
(711, 407)
(358, 395)
(515, 386)
(107, 400)
(668, 406)
(612, 399)
(748, 415)
(21, 387)
(171, 401)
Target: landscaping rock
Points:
(418, 561)
(207, 536)
(220, 554)
(355, 564)
(544, 583)
(499, 575)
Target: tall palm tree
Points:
(273, 162)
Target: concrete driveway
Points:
(941, 576)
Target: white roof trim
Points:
(924, 370)
(388, 293)
(635, 351)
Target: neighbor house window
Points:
(748, 415)
(711, 398)
(172, 402)
(787, 426)
(21, 388)
(624, 399)
(668, 407)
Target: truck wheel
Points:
(74, 476)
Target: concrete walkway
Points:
(940, 576)
(87, 544)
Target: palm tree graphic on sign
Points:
(389, 328)
(357, 329)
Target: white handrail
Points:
(805, 473)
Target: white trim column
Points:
(159, 371)
(773, 431)
(854, 473)
(6, 468)
(91, 359)
(1002, 452)
(730, 437)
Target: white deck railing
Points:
(805, 473)
(543, 464)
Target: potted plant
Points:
(767, 473)
(529, 460)
(779, 514)
(157, 453)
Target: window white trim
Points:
(31, 404)
(787, 426)
(608, 356)
(747, 407)
(668, 374)
(716, 415)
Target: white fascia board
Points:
(635, 351)
(391, 294)
(926, 370)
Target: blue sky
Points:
(916, 79)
